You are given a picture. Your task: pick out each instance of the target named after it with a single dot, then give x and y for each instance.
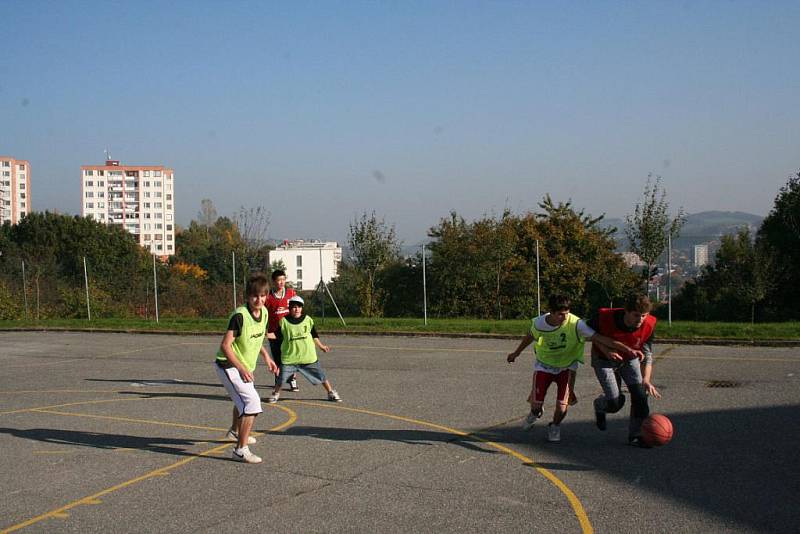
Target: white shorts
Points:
(243, 394)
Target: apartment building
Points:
(15, 189)
(308, 261)
(140, 198)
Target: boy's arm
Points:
(273, 368)
(321, 345)
(615, 347)
(647, 371)
(225, 346)
(523, 344)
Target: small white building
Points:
(308, 261)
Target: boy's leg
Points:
(573, 399)
(235, 421)
(562, 397)
(245, 427)
(611, 401)
(631, 373)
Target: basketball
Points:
(657, 430)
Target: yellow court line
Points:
(729, 359)
(132, 420)
(577, 507)
(87, 391)
(99, 401)
(62, 512)
(419, 349)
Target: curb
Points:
(368, 333)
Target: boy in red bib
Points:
(634, 326)
(278, 308)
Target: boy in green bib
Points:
(236, 361)
(559, 340)
(298, 339)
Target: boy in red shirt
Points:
(278, 307)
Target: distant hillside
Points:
(700, 227)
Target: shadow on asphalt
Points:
(742, 465)
(97, 440)
(409, 437)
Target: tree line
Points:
(485, 268)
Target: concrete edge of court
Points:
(460, 335)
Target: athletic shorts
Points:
(542, 381)
(243, 394)
(312, 371)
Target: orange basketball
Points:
(657, 430)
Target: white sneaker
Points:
(553, 432)
(333, 396)
(272, 399)
(244, 455)
(232, 435)
(530, 420)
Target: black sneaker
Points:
(637, 441)
(600, 420)
(293, 384)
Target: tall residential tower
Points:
(15, 189)
(140, 198)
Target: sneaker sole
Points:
(243, 460)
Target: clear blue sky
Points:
(323, 110)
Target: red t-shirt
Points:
(278, 308)
(635, 338)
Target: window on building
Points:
(101, 204)
(6, 173)
(6, 164)
(22, 185)
(158, 205)
(299, 274)
(169, 247)
(89, 194)
(157, 173)
(160, 246)
(21, 167)
(169, 216)
(298, 285)
(147, 194)
(299, 260)
(22, 204)
(89, 183)
(89, 173)
(158, 183)
(158, 194)
(159, 215)
(100, 173)
(101, 194)
(146, 215)
(159, 226)
(147, 173)
(169, 237)
(89, 205)
(169, 197)
(101, 183)
(169, 206)
(147, 205)
(22, 195)
(169, 227)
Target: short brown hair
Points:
(257, 284)
(638, 303)
(559, 302)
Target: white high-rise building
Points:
(15, 189)
(140, 198)
(308, 261)
(701, 255)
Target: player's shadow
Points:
(741, 464)
(173, 395)
(406, 436)
(154, 382)
(98, 440)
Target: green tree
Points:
(650, 225)
(780, 236)
(373, 246)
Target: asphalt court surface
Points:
(123, 433)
